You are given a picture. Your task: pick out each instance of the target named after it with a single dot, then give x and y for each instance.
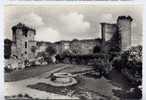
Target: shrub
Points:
(20, 95)
(131, 58)
(67, 53)
(131, 62)
(103, 65)
(50, 51)
(27, 96)
(7, 70)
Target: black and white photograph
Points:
(73, 52)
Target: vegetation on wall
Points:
(49, 52)
(130, 63)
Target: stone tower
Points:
(23, 38)
(108, 30)
(110, 38)
(124, 28)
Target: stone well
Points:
(62, 79)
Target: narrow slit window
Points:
(25, 44)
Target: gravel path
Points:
(20, 87)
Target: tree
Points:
(33, 49)
(130, 63)
(49, 54)
(7, 48)
(67, 53)
(50, 51)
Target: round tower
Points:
(124, 29)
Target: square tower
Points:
(110, 37)
(22, 39)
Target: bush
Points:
(131, 61)
(117, 62)
(27, 96)
(131, 58)
(67, 53)
(20, 95)
(103, 65)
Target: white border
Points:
(1, 50)
(118, 2)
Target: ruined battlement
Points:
(115, 36)
(24, 28)
(125, 18)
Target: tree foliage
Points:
(133, 57)
(130, 63)
(67, 53)
(129, 58)
(7, 48)
(103, 65)
(50, 51)
(33, 49)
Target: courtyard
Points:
(33, 82)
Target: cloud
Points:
(31, 20)
(66, 26)
(74, 23)
(43, 31)
(108, 18)
(47, 34)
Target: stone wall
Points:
(117, 36)
(114, 37)
(108, 30)
(77, 46)
(84, 46)
(62, 46)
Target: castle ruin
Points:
(117, 35)
(23, 41)
(114, 36)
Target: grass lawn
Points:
(29, 72)
(78, 90)
(96, 87)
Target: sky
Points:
(54, 23)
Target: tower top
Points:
(103, 23)
(125, 17)
(23, 27)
